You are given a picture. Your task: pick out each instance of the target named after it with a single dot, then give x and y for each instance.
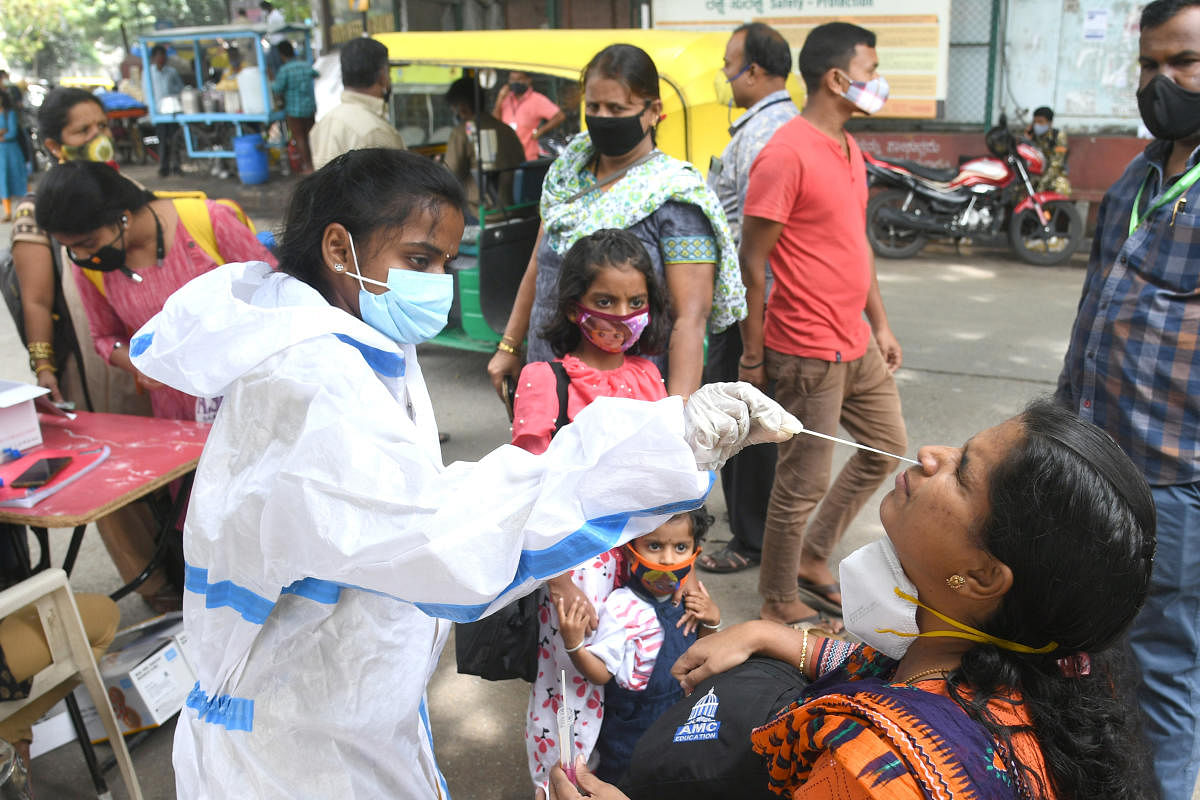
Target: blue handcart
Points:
(259, 114)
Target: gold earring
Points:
(339, 267)
(956, 581)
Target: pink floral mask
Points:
(611, 333)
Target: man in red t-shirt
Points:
(805, 211)
(531, 114)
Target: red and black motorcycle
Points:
(984, 199)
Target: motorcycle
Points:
(984, 199)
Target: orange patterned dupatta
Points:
(855, 735)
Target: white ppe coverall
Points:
(327, 548)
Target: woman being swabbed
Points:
(992, 614)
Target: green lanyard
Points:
(1181, 186)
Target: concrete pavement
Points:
(982, 334)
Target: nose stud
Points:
(956, 582)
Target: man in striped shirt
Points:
(1133, 368)
(756, 66)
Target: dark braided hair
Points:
(1074, 520)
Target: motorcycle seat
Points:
(923, 171)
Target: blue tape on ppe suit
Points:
(232, 713)
(594, 536)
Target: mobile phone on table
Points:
(41, 472)
(510, 390)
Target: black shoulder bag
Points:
(504, 644)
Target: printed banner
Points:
(913, 37)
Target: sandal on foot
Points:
(821, 624)
(818, 595)
(726, 560)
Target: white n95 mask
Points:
(871, 609)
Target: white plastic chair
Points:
(70, 654)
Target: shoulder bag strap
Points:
(561, 381)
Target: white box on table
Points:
(19, 426)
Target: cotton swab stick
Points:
(565, 723)
(856, 444)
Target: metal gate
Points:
(974, 31)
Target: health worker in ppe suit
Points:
(328, 549)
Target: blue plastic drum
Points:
(251, 154)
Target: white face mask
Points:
(869, 577)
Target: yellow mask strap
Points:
(966, 631)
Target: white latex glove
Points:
(722, 418)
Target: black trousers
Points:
(746, 479)
(166, 159)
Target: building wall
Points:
(571, 13)
(1087, 73)
(522, 14)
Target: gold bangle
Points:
(505, 347)
(40, 368)
(39, 351)
(804, 653)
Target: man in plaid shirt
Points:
(294, 81)
(1133, 368)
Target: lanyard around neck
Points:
(1182, 185)
(741, 123)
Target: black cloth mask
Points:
(111, 258)
(108, 258)
(518, 87)
(616, 136)
(1170, 111)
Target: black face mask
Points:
(108, 258)
(111, 258)
(616, 136)
(1170, 111)
(518, 87)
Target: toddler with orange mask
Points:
(641, 632)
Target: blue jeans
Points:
(1166, 643)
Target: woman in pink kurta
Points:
(131, 252)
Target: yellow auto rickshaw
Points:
(494, 254)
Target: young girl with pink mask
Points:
(610, 310)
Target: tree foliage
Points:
(48, 36)
(41, 35)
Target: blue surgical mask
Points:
(740, 72)
(413, 310)
(1039, 129)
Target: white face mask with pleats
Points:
(871, 608)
